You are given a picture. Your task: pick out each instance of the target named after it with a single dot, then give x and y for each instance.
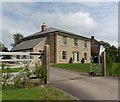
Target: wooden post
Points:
(46, 62)
(104, 63)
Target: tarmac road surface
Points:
(84, 87)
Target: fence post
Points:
(104, 63)
(46, 62)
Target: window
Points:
(85, 56)
(75, 42)
(64, 40)
(85, 43)
(24, 56)
(18, 56)
(64, 55)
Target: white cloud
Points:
(76, 22)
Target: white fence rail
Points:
(20, 61)
(45, 59)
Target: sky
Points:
(98, 19)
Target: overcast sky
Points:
(99, 19)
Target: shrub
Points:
(117, 70)
(109, 64)
(22, 79)
(40, 72)
(71, 60)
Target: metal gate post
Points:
(104, 63)
(46, 62)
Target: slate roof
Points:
(28, 44)
(51, 30)
(32, 40)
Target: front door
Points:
(75, 57)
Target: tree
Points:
(3, 48)
(17, 39)
(111, 51)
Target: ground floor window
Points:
(24, 56)
(64, 55)
(18, 56)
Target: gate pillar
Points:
(46, 62)
(104, 63)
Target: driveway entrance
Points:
(84, 87)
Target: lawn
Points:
(5, 70)
(79, 67)
(34, 93)
(74, 67)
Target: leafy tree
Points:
(3, 48)
(111, 51)
(17, 39)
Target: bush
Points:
(71, 60)
(22, 79)
(109, 64)
(40, 72)
(117, 70)
(83, 60)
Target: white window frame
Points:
(75, 42)
(64, 40)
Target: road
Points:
(84, 87)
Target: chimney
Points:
(92, 37)
(43, 27)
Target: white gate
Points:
(43, 58)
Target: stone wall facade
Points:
(57, 47)
(70, 49)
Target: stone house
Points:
(63, 45)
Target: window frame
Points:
(85, 44)
(64, 55)
(75, 42)
(64, 40)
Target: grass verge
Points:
(79, 67)
(74, 67)
(34, 93)
(5, 70)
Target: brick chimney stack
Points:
(43, 27)
(92, 37)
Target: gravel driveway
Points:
(84, 87)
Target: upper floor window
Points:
(64, 40)
(75, 42)
(85, 43)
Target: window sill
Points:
(63, 60)
(85, 47)
(64, 45)
(75, 46)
